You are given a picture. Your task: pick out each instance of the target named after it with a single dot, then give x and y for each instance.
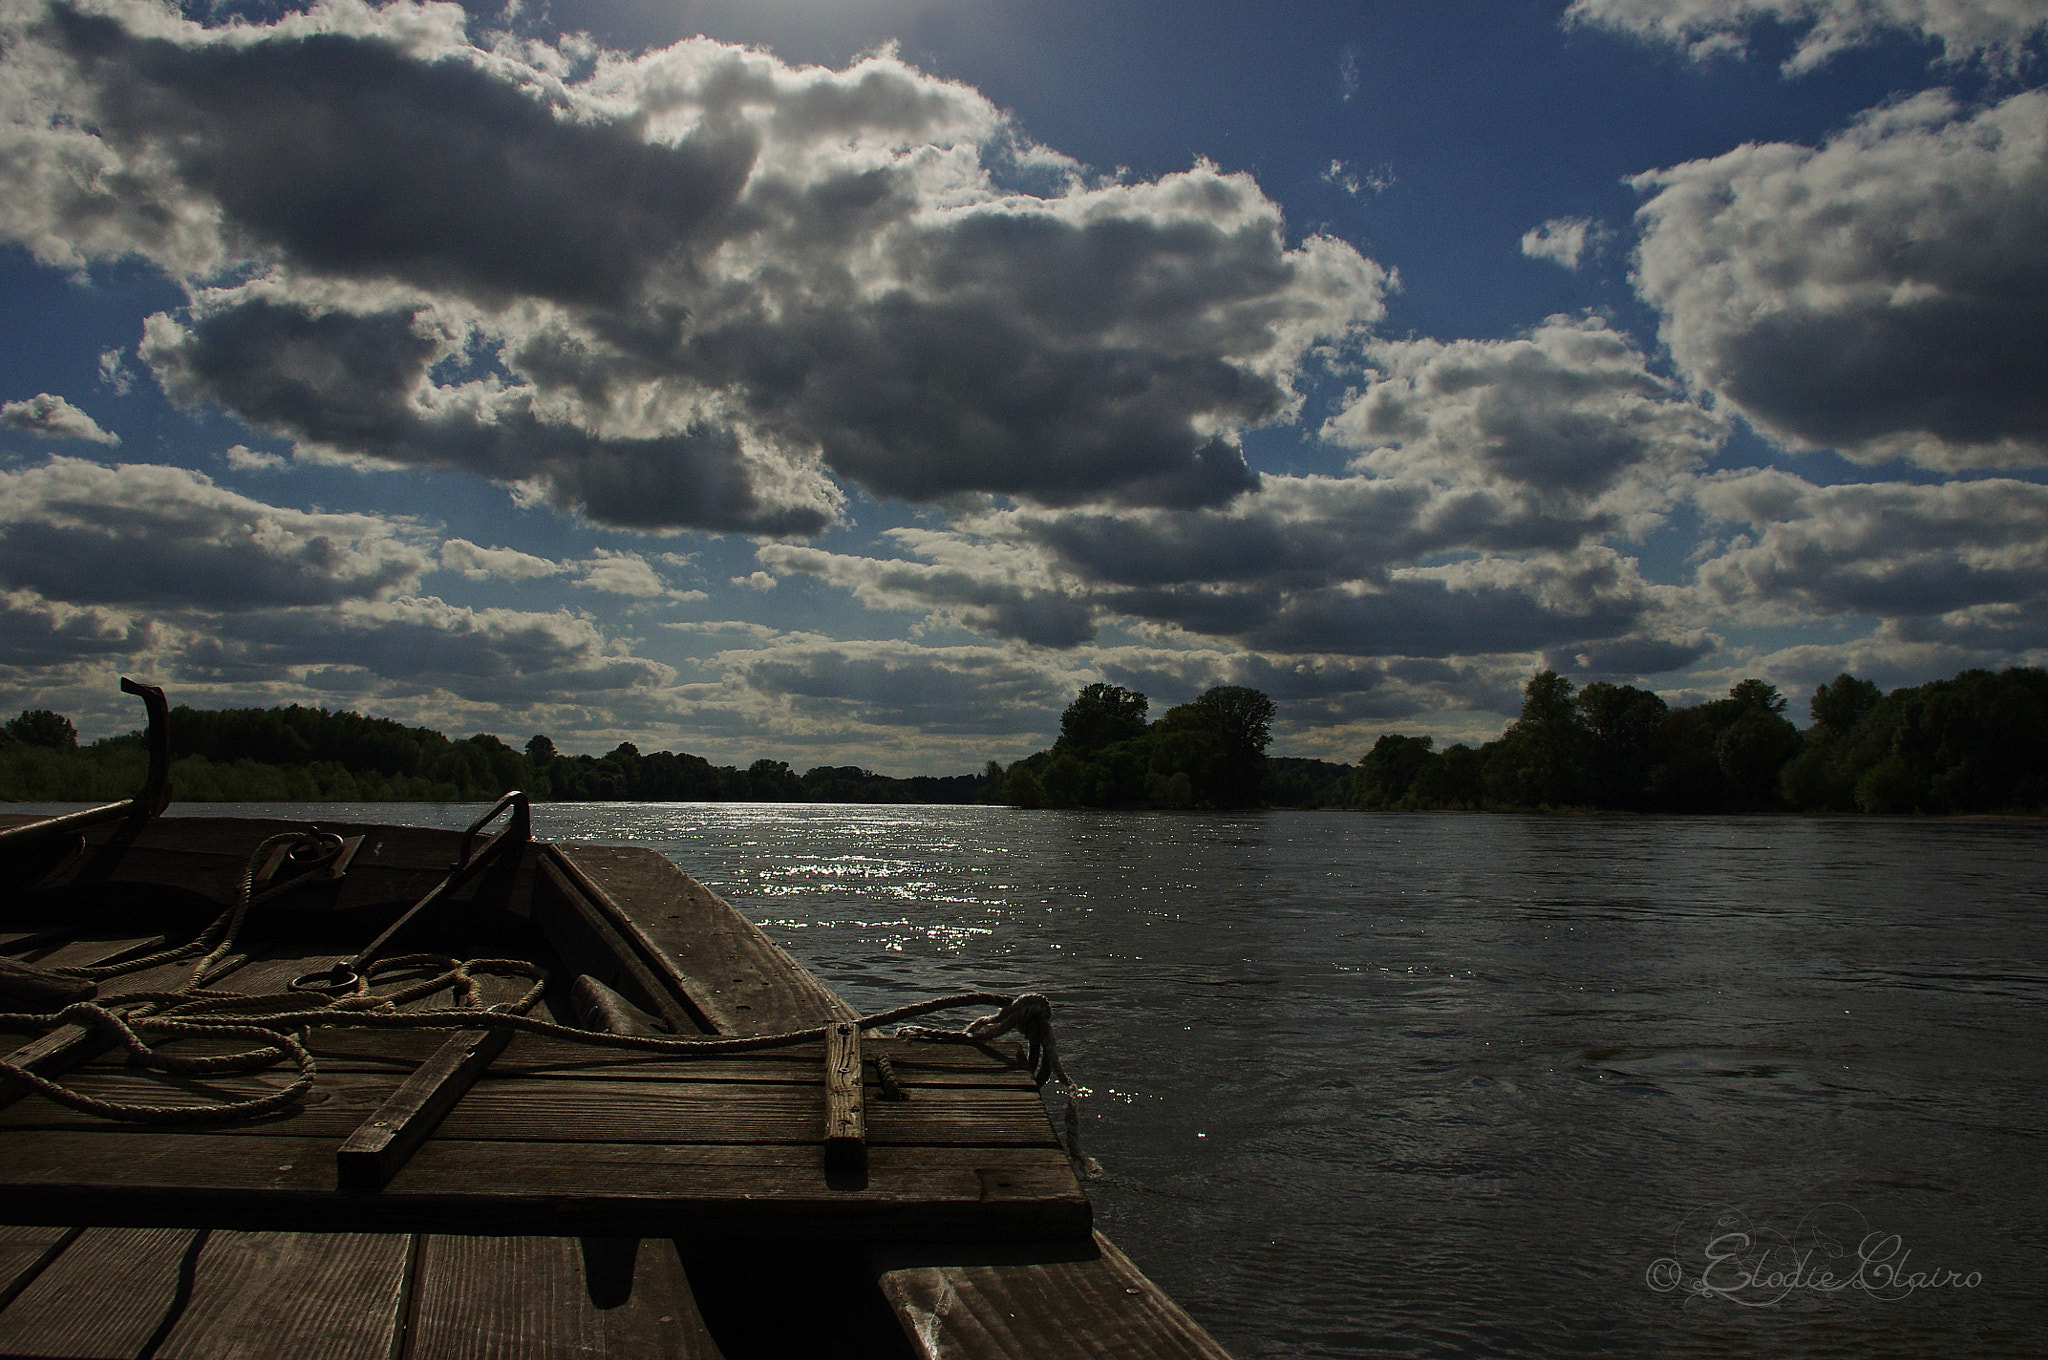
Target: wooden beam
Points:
(371, 1156)
(846, 1125)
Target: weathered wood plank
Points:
(1023, 1303)
(293, 1296)
(514, 1298)
(566, 1189)
(369, 1156)
(24, 1253)
(735, 974)
(689, 1110)
(846, 1125)
(107, 1294)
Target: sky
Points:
(850, 383)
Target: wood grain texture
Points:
(105, 1295)
(370, 1155)
(846, 1125)
(974, 1304)
(570, 1189)
(682, 1111)
(523, 1298)
(293, 1296)
(736, 976)
(24, 1253)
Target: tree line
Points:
(305, 754)
(1975, 744)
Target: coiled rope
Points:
(273, 1021)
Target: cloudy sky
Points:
(850, 381)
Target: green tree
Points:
(1101, 715)
(1540, 759)
(41, 727)
(1387, 772)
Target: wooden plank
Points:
(370, 1155)
(523, 1298)
(107, 1294)
(1029, 1302)
(735, 975)
(846, 1125)
(24, 1253)
(293, 1296)
(691, 1109)
(567, 1189)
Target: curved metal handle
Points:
(517, 831)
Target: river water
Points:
(1481, 1085)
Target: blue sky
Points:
(851, 383)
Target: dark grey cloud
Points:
(356, 157)
(349, 382)
(691, 284)
(498, 656)
(1885, 295)
(143, 535)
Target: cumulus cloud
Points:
(242, 458)
(1487, 475)
(142, 534)
(52, 417)
(1561, 240)
(1997, 32)
(1567, 425)
(690, 288)
(506, 564)
(1885, 295)
(617, 572)
(1890, 550)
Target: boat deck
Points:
(558, 1198)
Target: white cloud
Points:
(1889, 550)
(1561, 240)
(617, 572)
(115, 373)
(757, 580)
(506, 564)
(703, 287)
(1885, 295)
(52, 417)
(242, 458)
(1995, 31)
(1567, 426)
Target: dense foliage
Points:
(1977, 743)
(1207, 753)
(298, 754)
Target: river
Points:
(1481, 1085)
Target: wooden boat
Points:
(552, 1100)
